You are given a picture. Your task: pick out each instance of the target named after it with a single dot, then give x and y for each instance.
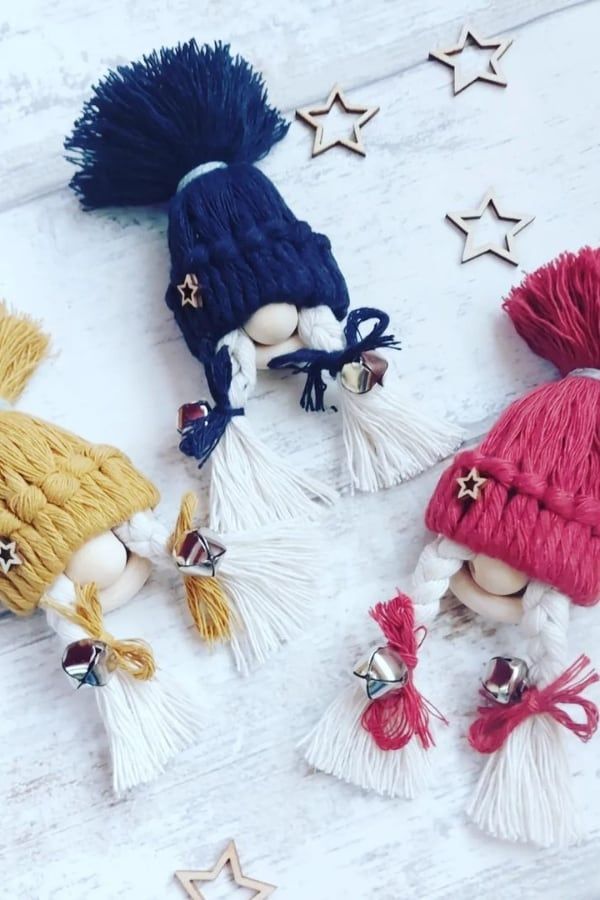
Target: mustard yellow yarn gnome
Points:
(63, 504)
(78, 537)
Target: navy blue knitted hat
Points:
(150, 133)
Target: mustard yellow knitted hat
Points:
(57, 491)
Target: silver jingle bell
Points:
(88, 662)
(506, 679)
(360, 376)
(199, 553)
(383, 672)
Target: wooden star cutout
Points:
(470, 485)
(229, 855)
(465, 221)
(449, 58)
(310, 116)
(8, 555)
(189, 289)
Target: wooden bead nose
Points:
(272, 323)
(495, 576)
(101, 560)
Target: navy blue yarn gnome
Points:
(251, 286)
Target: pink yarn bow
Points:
(496, 722)
(393, 720)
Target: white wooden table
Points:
(121, 370)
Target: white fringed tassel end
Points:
(269, 580)
(147, 722)
(389, 440)
(524, 791)
(386, 436)
(340, 746)
(250, 484)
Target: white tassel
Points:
(524, 792)
(386, 436)
(389, 440)
(269, 580)
(340, 746)
(268, 576)
(147, 722)
(250, 484)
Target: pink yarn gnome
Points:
(376, 734)
(518, 541)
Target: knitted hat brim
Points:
(57, 492)
(519, 519)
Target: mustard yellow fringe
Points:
(132, 656)
(206, 599)
(23, 345)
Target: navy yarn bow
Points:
(314, 362)
(202, 435)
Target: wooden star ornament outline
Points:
(465, 222)
(8, 555)
(310, 116)
(470, 485)
(449, 57)
(229, 855)
(188, 290)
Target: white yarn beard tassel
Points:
(524, 791)
(387, 438)
(269, 580)
(147, 722)
(268, 576)
(340, 746)
(250, 484)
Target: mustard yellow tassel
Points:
(206, 600)
(22, 347)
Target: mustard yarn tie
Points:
(206, 599)
(133, 656)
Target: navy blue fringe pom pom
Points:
(202, 436)
(149, 123)
(314, 362)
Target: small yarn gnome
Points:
(251, 286)
(376, 734)
(518, 525)
(78, 537)
(62, 502)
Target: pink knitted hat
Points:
(538, 509)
